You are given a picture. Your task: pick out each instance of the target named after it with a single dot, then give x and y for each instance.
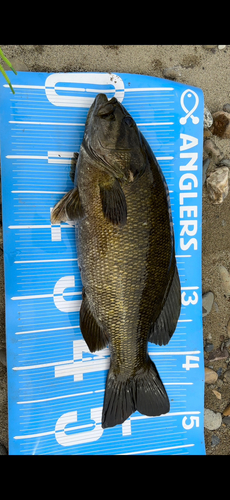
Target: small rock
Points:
(205, 168)
(221, 124)
(217, 394)
(208, 119)
(3, 356)
(216, 307)
(226, 107)
(212, 420)
(227, 376)
(228, 328)
(213, 150)
(225, 163)
(221, 47)
(210, 376)
(219, 373)
(171, 73)
(215, 440)
(219, 382)
(207, 133)
(209, 347)
(225, 279)
(218, 355)
(207, 302)
(227, 343)
(226, 412)
(217, 185)
(226, 421)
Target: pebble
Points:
(207, 302)
(217, 185)
(219, 373)
(221, 124)
(225, 163)
(217, 394)
(226, 421)
(225, 280)
(212, 420)
(218, 354)
(227, 376)
(208, 119)
(207, 133)
(209, 347)
(221, 47)
(215, 440)
(219, 382)
(213, 150)
(3, 356)
(227, 343)
(228, 328)
(226, 107)
(226, 412)
(210, 376)
(205, 168)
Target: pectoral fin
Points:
(68, 208)
(113, 202)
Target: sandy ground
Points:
(207, 68)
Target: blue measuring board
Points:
(55, 385)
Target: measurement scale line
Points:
(47, 123)
(41, 226)
(43, 260)
(84, 89)
(74, 124)
(45, 295)
(183, 256)
(55, 398)
(158, 449)
(71, 362)
(39, 192)
(48, 329)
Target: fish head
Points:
(112, 136)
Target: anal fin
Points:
(92, 332)
(163, 328)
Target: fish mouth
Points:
(104, 106)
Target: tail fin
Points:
(143, 392)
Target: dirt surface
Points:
(206, 67)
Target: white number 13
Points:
(190, 300)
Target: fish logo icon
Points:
(189, 114)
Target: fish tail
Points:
(143, 392)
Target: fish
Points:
(126, 255)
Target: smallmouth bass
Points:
(126, 255)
